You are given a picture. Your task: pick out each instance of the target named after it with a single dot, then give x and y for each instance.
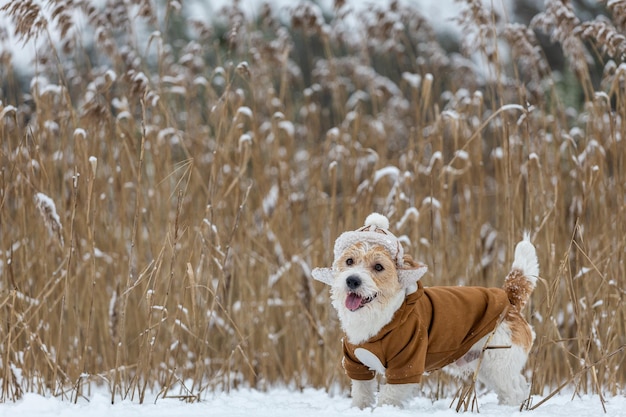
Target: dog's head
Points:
(370, 277)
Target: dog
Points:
(397, 328)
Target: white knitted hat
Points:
(376, 231)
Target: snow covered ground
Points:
(283, 402)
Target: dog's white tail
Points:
(521, 280)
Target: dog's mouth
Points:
(354, 301)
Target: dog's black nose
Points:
(353, 282)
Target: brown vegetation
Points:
(199, 170)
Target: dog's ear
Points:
(324, 275)
(410, 272)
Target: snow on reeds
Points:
(219, 160)
(48, 211)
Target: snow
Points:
(287, 127)
(389, 171)
(462, 154)
(245, 110)
(431, 201)
(47, 206)
(410, 213)
(414, 80)
(281, 402)
(6, 110)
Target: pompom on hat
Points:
(375, 231)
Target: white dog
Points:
(397, 328)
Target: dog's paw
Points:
(364, 393)
(362, 403)
(398, 395)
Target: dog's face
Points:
(365, 290)
(367, 287)
(366, 279)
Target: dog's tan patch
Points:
(377, 257)
(518, 288)
(408, 262)
(354, 252)
(521, 333)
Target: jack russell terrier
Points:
(397, 328)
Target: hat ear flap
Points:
(324, 275)
(408, 277)
(412, 275)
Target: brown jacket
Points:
(433, 328)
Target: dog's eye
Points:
(349, 261)
(379, 267)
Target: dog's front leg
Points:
(397, 394)
(364, 393)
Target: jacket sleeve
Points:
(353, 367)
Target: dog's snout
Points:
(353, 282)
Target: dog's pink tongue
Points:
(353, 301)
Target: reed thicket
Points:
(168, 182)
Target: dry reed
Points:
(201, 175)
